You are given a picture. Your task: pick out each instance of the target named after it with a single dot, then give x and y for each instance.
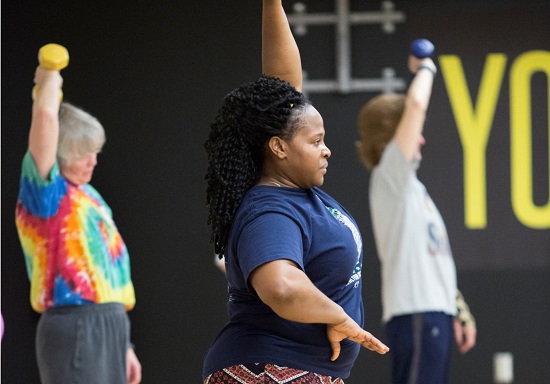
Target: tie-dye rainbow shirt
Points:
(73, 250)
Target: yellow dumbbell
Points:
(54, 57)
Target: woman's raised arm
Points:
(44, 131)
(280, 54)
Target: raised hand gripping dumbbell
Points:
(421, 49)
(54, 57)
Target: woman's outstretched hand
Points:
(349, 329)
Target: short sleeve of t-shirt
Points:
(40, 197)
(394, 168)
(259, 245)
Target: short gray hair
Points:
(79, 133)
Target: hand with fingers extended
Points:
(349, 329)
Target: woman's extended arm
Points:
(287, 290)
(411, 124)
(280, 54)
(44, 131)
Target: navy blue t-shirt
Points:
(313, 230)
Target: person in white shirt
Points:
(419, 288)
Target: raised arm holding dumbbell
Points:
(419, 289)
(46, 94)
(82, 292)
(409, 131)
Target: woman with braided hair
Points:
(293, 255)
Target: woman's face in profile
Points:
(308, 154)
(79, 169)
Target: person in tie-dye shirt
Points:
(77, 262)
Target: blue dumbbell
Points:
(422, 48)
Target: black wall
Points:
(155, 73)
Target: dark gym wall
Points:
(155, 73)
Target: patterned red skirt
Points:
(267, 374)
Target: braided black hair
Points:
(249, 117)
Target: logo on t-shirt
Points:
(356, 276)
(438, 241)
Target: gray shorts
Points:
(84, 344)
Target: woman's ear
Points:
(278, 147)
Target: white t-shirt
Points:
(418, 270)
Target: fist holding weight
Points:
(420, 56)
(53, 57)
